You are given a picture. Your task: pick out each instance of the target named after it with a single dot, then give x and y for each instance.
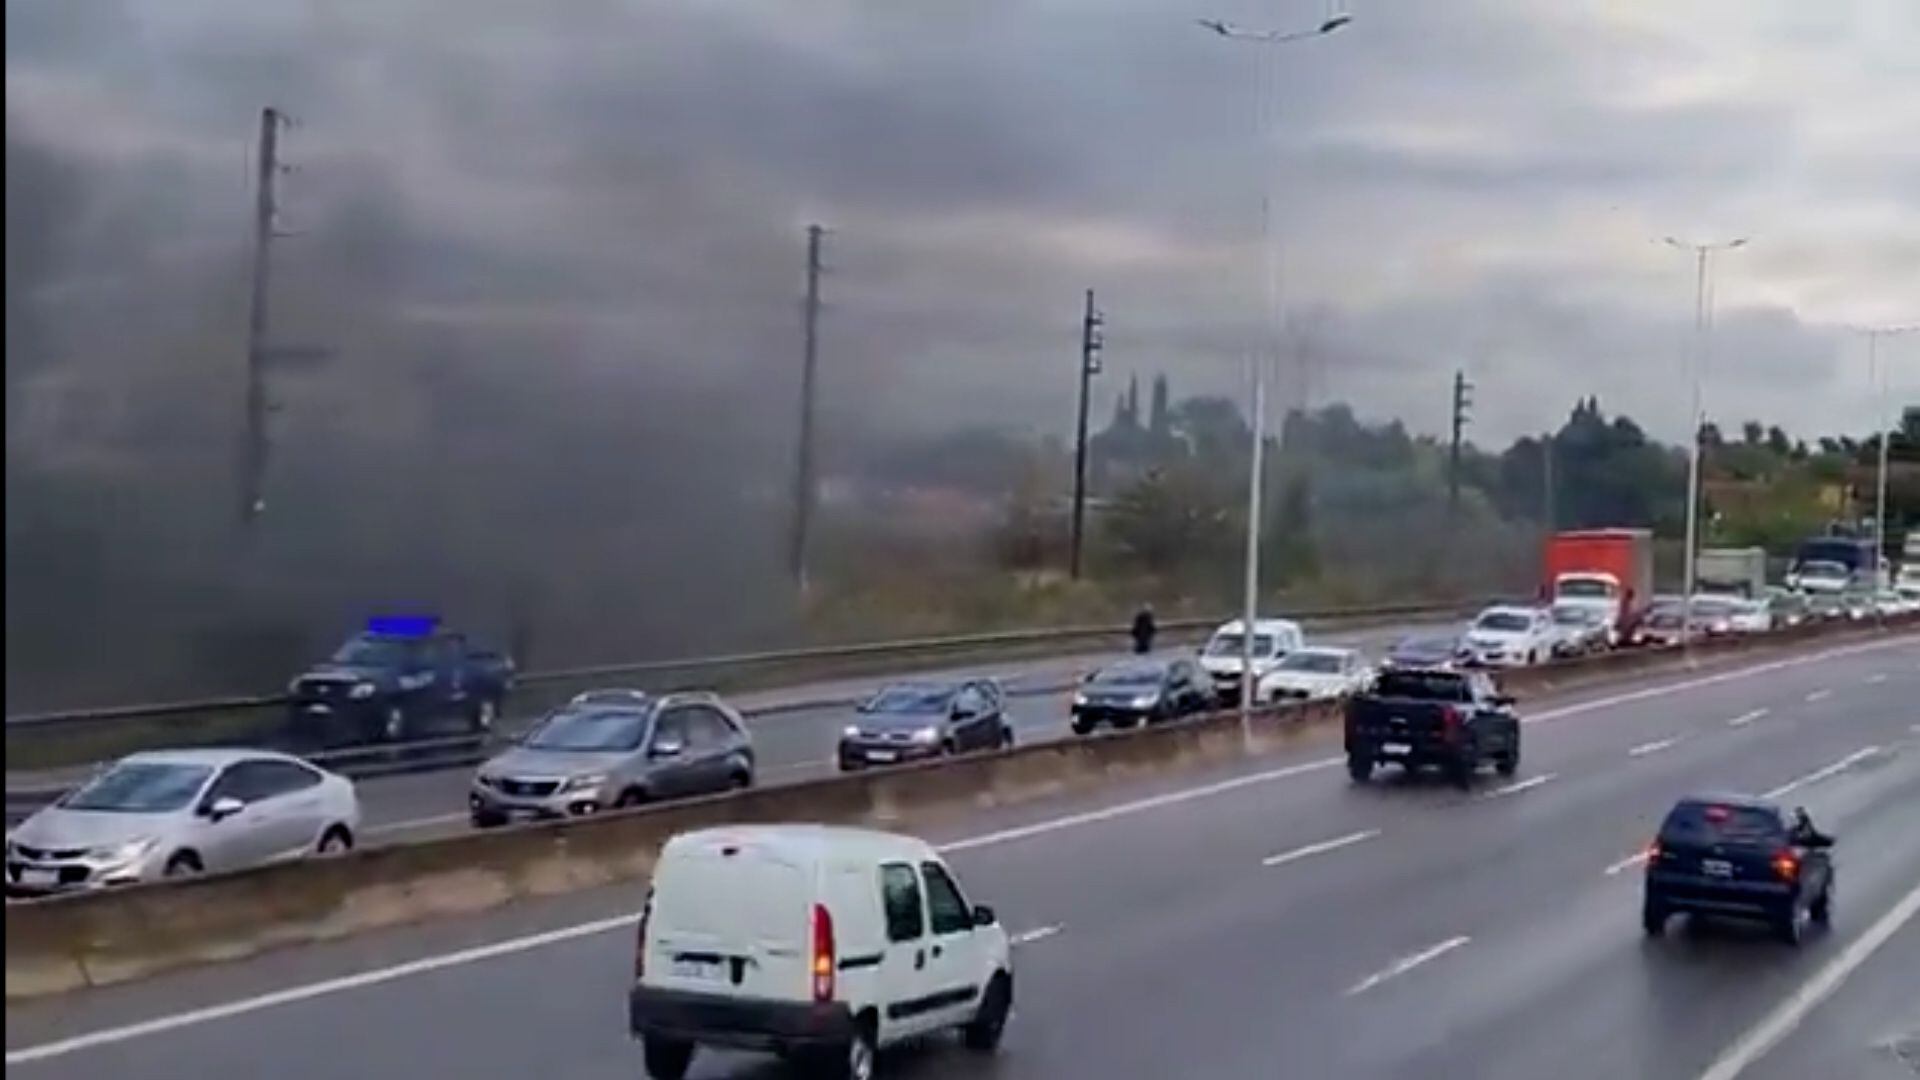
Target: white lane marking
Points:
(1038, 933)
(1747, 718)
(407, 824)
(1521, 785)
(1638, 858)
(313, 990)
(1818, 695)
(1171, 798)
(1765, 1035)
(1824, 772)
(1407, 963)
(1876, 678)
(108, 1036)
(1320, 848)
(1652, 747)
(796, 766)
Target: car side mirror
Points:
(667, 746)
(224, 807)
(984, 916)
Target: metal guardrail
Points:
(902, 648)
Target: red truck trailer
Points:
(1608, 569)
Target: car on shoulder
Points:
(913, 721)
(1139, 691)
(1315, 673)
(608, 749)
(1442, 718)
(1738, 857)
(1224, 655)
(1509, 635)
(1423, 651)
(818, 943)
(164, 814)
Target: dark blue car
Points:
(1739, 857)
(400, 678)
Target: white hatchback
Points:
(818, 943)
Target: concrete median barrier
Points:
(67, 943)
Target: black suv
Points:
(1740, 857)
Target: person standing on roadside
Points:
(1143, 630)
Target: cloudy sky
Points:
(621, 189)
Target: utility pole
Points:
(803, 475)
(1462, 398)
(1877, 380)
(1091, 342)
(254, 446)
(1546, 456)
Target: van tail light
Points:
(640, 939)
(1786, 866)
(822, 953)
(1653, 852)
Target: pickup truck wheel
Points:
(1359, 768)
(667, 1059)
(393, 726)
(1508, 762)
(485, 712)
(1653, 919)
(1822, 909)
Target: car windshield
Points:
(1316, 662)
(141, 787)
(1234, 644)
(1503, 621)
(1710, 607)
(372, 650)
(1128, 675)
(1575, 616)
(911, 699)
(1821, 568)
(1586, 589)
(577, 728)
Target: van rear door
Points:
(732, 917)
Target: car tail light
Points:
(1450, 722)
(640, 940)
(1653, 852)
(1786, 866)
(822, 953)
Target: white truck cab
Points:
(815, 942)
(1595, 591)
(1224, 659)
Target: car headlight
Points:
(584, 782)
(927, 735)
(1146, 701)
(361, 691)
(851, 731)
(1079, 698)
(124, 852)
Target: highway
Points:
(1268, 920)
(798, 743)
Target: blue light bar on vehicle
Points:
(406, 626)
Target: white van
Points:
(1222, 657)
(817, 943)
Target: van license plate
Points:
(1716, 867)
(1396, 749)
(696, 969)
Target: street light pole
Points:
(1877, 378)
(1257, 356)
(1702, 328)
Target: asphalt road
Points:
(796, 744)
(1272, 920)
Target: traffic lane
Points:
(789, 746)
(1869, 1029)
(1102, 877)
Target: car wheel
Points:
(1006, 737)
(629, 799)
(1653, 918)
(484, 714)
(741, 780)
(1793, 929)
(182, 864)
(983, 1032)
(335, 841)
(393, 726)
(482, 819)
(853, 1060)
(1081, 727)
(1359, 768)
(948, 748)
(1822, 910)
(667, 1059)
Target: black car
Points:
(914, 720)
(403, 677)
(1423, 651)
(1739, 857)
(1452, 720)
(1137, 692)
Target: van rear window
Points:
(1714, 823)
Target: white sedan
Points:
(1315, 673)
(1510, 636)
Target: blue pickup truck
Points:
(400, 678)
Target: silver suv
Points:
(614, 748)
